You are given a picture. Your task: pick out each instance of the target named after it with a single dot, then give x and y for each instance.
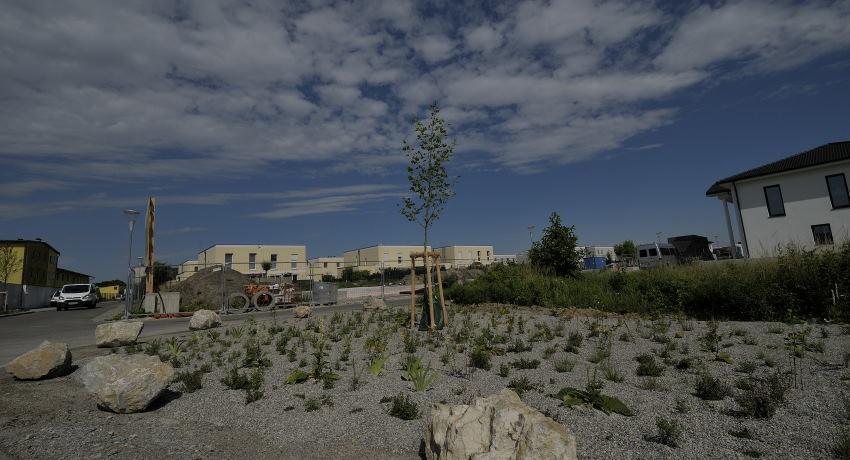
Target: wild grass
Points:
(710, 388)
(669, 432)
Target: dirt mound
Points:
(203, 289)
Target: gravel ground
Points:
(57, 419)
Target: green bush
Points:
(403, 408)
(763, 395)
(711, 388)
(798, 283)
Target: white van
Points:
(652, 255)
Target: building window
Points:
(642, 253)
(228, 260)
(838, 195)
(196, 268)
(326, 265)
(773, 198)
(337, 265)
(294, 261)
(653, 252)
(274, 261)
(822, 234)
(252, 261)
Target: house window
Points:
(479, 256)
(196, 268)
(293, 261)
(274, 261)
(228, 260)
(837, 185)
(252, 261)
(822, 234)
(326, 265)
(653, 252)
(642, 253)
(773, 198)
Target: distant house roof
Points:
(21, 241)
(827, 153)
(65, 270)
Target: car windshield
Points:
(75, 288)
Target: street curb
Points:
(9, 315)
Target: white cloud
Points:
(202, 91)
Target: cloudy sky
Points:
(281, 122)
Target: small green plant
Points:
(354, 381)
(421, 377)
(152, 348)
(574, 341)
(480, 359)
(521, 385)
(254, 392)
(711, 339)
(411, 342)
(190, 381)
(504, 370)
(592, 396)
(297, 376)
(648, 367)
(376, 365)
(763, 396)
(403, 408)
(610, 372)
(254, 355)
(523, 363)
(564, 365)
(234, 379)
(747, 367)
(669, 432)
(312, 404)
(710, 388)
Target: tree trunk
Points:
(428, 284)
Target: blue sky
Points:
(282, 122)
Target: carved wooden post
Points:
(440, 287)
(412, 291)
(429, 288)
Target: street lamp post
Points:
(128, 299)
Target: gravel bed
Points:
(55, 418)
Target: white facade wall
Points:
(806, 198)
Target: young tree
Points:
(626, 248)
(9, 263)
(266, 267)
(430, 185)
(556, 249)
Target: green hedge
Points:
(796, 284)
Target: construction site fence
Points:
(297, 282)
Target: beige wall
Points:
(463, 256)
(326, 266)
(240, 260)
(187, 269)
(371, 258)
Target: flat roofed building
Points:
(464, 256)
(326, 266)
(372, 258)
(37, 262)
(187, 269)
(249, 258)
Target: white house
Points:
(802, 199)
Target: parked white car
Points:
(75, 295)
(653, 255)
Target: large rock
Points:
(499, 426)
(302, 311)
(126, 383)
(204, 319)
(117, 333)
(374, 303)
(47, 361)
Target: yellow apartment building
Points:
(464, 256)
(321, 266)
(372, 258)
(109, 292)
(187, 269)
(249, 258)
(38, 262)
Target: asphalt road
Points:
(22, 333)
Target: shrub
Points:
(403, 408)
(480, 359)
(648, 367)
(574, 341)
(504, 370)
(523, 363)
(564, 365)
(253, 391)
(610, 373)
(234, 379)
(763, 396)
(518, 346)
(669, 432)
(421, 377)
(190, 381)
(710, 388)
(521, 385)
